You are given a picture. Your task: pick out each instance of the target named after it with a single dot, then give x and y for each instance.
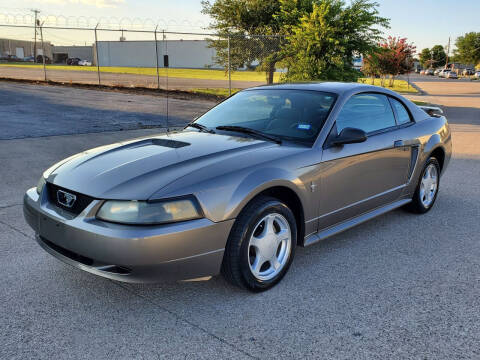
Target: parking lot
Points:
(400, 286)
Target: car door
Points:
(359, 177)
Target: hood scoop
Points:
(168, 143)
(174, 144)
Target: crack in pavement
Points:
(15, 229)
(196, 326)
(9, 206)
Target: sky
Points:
(423, 22)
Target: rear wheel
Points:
(427, 188)
(261, 245)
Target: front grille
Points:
(81, 202)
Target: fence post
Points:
(229, 69)
(96, 56)
(156, 58)
(164, 39)
(43, 51)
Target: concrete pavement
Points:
(399, 287)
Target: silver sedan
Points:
(235, 192)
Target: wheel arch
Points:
(292, 200)
(435, 147)
(286, 190)
(439, 153)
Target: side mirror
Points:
(349, 136)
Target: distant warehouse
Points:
(23, 48)
(181, 53)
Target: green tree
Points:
(323, 43)
(438, 55)
(425, 58)
(468, 48)
(246, 22)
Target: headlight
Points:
(41, 183)
(150, 212)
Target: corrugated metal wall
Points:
(182, 53)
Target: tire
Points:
(266, 228)
(419, 204)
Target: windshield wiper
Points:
(246, 130)
(200, 127)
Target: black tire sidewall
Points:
(269, 207)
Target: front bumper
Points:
(127, 253)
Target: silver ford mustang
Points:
(238, 189)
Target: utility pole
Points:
(36, 12)
(448, 52)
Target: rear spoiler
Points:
(431, 110)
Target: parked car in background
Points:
(235, 192)
(422, 72)
(13, 58)
(477, 74)
(40, 59)
(468, 72)
(84, 63)
(418, 70)
(436, 72)
(429, 72)
(451, 75)
(73, 61)
(443, 73)
(29, 59)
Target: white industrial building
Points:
(181, 53)
(23, 48)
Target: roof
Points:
(335, 87)
(345, 90)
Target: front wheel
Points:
(427, 188)
(261, 245)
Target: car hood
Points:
(136, 169)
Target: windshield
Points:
(295, 115)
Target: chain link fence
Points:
(154, 59)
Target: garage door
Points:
(19, 52)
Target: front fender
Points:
(259, 181)
(225, 200)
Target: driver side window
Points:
(368, 111)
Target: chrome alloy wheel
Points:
(269, 247)
(429, 185)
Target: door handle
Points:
(398, 143)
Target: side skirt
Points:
(335, 229)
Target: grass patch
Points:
(221, 92)
(178, 73)
(420, 103)
(398, 85)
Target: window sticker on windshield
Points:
(303, 127)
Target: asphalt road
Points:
(398, 287)
(39, 110)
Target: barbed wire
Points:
(114, 23)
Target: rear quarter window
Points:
(403, 117)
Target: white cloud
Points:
(96, 3)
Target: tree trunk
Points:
(270, 72)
